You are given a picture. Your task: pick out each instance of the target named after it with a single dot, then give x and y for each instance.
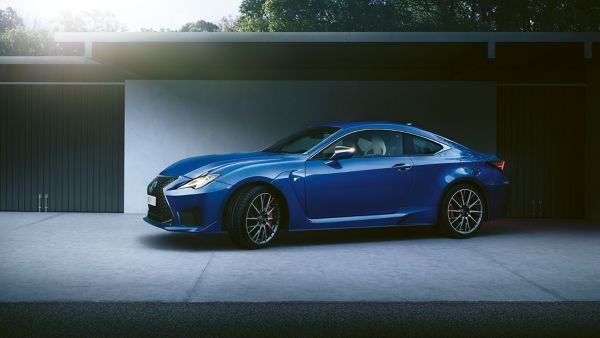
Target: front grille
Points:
(161, 212)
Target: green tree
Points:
(9, 19)
(228, 24)
(253, 17)
(16, 40)
(88, 21)
(199, 26)
(419, 15)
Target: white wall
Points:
(169, 120)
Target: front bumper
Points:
(182, 228)
(192, 210)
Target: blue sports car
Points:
(332, 176)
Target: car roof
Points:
(348, 124)
(356, 125)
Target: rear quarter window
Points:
(415, 145)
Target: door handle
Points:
(402, 166)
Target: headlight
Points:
(200, 181)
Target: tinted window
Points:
(415, 145)
(372, 143)
(301, 141)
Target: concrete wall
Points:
(169, 120)
(592, 142)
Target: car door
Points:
(377, 180)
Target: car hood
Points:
(195, 166)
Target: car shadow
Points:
(187, 242)
(221, 242)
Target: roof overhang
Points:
(501, 56)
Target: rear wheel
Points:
(254, 217)
(462, 211)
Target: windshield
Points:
(301, 141)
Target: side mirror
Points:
(341, 153)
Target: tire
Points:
(253, 217)
(462, 211)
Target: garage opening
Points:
(61, 147)
(540, 136)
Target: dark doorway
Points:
(540, 136)
(61, 147)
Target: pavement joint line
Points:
(190, 292)
(542, 288)
(38, 221)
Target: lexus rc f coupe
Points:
(332, 176)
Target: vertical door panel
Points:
(63, 140)
(540, 136)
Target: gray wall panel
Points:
(169, 120)
(63, 140)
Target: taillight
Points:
(498, 164)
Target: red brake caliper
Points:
(269, 214)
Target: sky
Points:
(134, 14)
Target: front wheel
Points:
(254, 217)
(462, 211)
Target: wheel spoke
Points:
(477, 201)
(474, 220)
(255, 236)
(255, 208)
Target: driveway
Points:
(118, 257)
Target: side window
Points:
(415, 145)
(371, 143)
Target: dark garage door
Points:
(61, 147)
(540, 134)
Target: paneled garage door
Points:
(61, 147)
(540, 136)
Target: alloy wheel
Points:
(262, 218)
(465, 211)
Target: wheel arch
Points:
(466, 181)
(250, 184)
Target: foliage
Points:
(419, 15)
(228, 24)
(18, 41)
(199, 26)
(89, 21)
(9, 20)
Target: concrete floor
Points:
(117, 257)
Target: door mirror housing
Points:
(342, 152)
